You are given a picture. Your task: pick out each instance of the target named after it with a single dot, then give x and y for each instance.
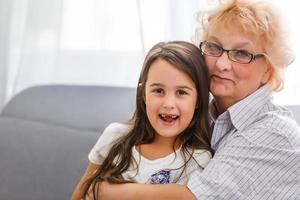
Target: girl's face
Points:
(230, 81)
(170, 98)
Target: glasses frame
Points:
(252, 56)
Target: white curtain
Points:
(96, 42)
(99, 42)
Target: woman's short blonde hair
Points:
(258, 19)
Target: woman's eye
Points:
(213, 48)
(242, 54)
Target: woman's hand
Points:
(134, 191)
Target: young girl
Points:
(169, 136)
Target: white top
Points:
(257, 153)
(162, 170)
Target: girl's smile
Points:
(168, 119)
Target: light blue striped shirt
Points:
(257, 154)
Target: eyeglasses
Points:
(235, 55)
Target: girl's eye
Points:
(181, 92)
(158, 91)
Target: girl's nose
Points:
(169, 102)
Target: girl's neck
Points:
(158, 149)
(167, 142)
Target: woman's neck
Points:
(220, 108)
(223, 104)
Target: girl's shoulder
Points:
(114, 131)
(110, 134)
(117, 127)
(202, 156)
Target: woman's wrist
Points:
(135, 191)
(157, 191)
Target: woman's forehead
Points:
(232, 37)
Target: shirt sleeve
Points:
(243, 169)
(209, 184)
(105, 141)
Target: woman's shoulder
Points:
(276, 118)
(275, 124)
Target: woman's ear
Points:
(266, 77)
(267, 74)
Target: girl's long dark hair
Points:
(187, 58)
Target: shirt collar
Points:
(243, 112)
(212, 110)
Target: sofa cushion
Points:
(41, 161)
(81, 107)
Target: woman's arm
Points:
(132, 191)
(78, 189)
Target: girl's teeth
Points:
(170, 116)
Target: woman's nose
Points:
(223, 62)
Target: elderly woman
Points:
(256, 143)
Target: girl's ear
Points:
(142, 89)
(197, 102)
(144, 95)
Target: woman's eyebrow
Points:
(241, 44)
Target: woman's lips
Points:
(221, 79)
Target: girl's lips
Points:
(168, 119)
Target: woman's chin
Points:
(220, 90)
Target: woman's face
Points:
(230, 81)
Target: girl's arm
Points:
(78, 189)
(132, 191)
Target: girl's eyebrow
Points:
(178, 87)
(156, 85)
(185, 87)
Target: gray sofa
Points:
(46, 133)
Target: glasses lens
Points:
(211, 49)
(240, 56)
